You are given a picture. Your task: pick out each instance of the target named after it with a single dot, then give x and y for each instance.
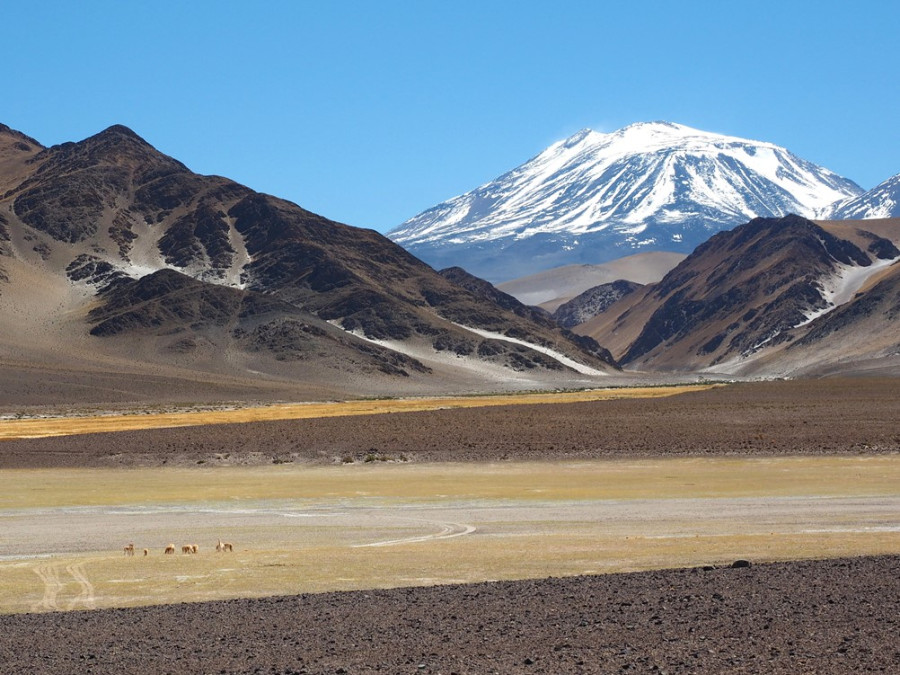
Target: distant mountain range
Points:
(595, 197)
(114, 256)
(124, 275)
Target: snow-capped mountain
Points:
(882, 201)
(594, 197)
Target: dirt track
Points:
(768, 418)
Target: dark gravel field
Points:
(837, 616)
(765, 418)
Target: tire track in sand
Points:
(86, 596)
(49, 574)
(448, 531)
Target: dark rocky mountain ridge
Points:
(592, 302)
(119, 220)
(153, 263)
(755, 289)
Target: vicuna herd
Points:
(192, 549)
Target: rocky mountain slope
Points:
(773, 295)
(112, 251)
(594, 197)
(592, 302)
(882, 201)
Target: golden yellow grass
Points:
(691, 477)
(88, 581)
(86, 424)
(529, 519)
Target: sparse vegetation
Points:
(543, 527)
(103, 422)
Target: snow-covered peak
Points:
(583, 137)
(650, 186)
(644, 137)
(653, 136)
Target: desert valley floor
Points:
(585, 536)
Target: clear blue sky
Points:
(369, 112)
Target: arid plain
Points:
(770, 471)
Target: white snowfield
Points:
(645, 173)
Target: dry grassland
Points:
(556, 481)
(97, 423)
(299, 529)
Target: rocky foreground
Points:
(836, 616)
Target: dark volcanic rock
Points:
(121, 233)
(22, 142)
(879, 247)
(882, 300)
(363, 280)
(77, 182)
(93, 270)
(170, 303)
(166, 298)
(199, 237)
(592, 302)
(825, 617)
(485, 289)
(744, 288)
(113, 194)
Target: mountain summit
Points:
(117, 257)
(594, 197)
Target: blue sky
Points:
(369, 112)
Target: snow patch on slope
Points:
(474, 365)
(843, 286)
(552, 353)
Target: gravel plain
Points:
(825, 616)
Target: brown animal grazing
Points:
(228, 547)
(194, 548)
(186, 549)
(129, 550)
(146, 551)
(170, 549)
